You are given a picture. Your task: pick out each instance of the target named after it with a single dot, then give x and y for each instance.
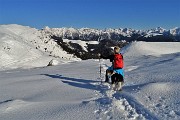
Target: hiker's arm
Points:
(104, 57)
(110, 57)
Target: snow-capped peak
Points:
(175, 31)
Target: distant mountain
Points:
(154, 35)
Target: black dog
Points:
(117, 80)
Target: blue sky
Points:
(136, 14)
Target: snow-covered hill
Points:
(21, 45)
(73, 91)
(137, 49)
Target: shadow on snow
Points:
(76, 82)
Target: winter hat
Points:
(116, 49)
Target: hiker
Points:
(116, 70)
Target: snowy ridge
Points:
(24, 45)
(137, 49)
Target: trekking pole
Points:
(100, 69)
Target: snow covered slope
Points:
(137, 49)
(152, 78)
(22, 46)
(73, 91)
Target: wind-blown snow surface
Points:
(74, 91)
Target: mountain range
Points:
(158, 34)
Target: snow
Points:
(135, 49)
(81, 43)
(30, 90)
(22, 46)
(53, 62)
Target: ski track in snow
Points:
(111, 101)
(130, 107)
